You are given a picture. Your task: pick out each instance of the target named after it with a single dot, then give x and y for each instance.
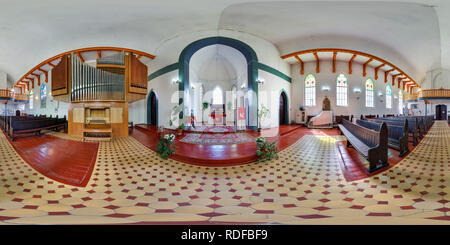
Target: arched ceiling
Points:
(409, 33)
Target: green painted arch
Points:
(286, 105)
(252, 70)
(149, 108)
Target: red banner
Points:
(241, 113)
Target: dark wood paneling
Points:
(138, 72)
(60, 76)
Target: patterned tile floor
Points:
(131, 184)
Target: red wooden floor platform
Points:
(66, 161)
(221, 155)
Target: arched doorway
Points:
(152, 109)
(283, 109)
(441, 112)
(251, 86)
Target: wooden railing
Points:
(434, 93)
(9, 95)
(428, 93)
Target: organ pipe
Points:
(89, 83)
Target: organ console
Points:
(99, 95)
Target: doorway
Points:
(283, 109)
(441, 112)
(152, 109)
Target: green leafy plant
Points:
(205, 106)
(166, 146)
(230, 105)
(263, 113)
(266, 151)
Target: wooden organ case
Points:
(99, 95)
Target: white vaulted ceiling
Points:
(414, 35)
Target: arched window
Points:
(43, 96)
(31, 100)
(341, 90)
(310, 90)
(217, 96)
(388, 96)
(369, 93)
(400, 102)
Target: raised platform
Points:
(220, 154)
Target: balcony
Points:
(434, 93)
(428, 94)
(6, 94)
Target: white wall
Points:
(3, 80)
(53, 107)
(269, 96)
(356, 102)
(436, 79)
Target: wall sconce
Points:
(357, 90)
(176, 81)
(380, 94)
(260, 81)
(243, 86)
(325, 88)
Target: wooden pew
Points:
(413, 131)
(373, 145)
(338, 118)
(397, 135)
(25, 125)
(415, 121)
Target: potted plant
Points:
(205, 106)
(180, 129)
(263, 112)
(266, 151)
(166, 146)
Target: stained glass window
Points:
(388, 96)
(400, 102)
(341, 90)
(31, 100)
(43, 96)
(369, 93)
(310, 90)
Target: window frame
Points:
(370, 92)
(310, 91)
(388, 95)
(341, 91)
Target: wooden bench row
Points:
(397, 134)
(18, 125)
(372, 144)
(412, 127)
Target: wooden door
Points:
(282, 109)
(441, 112)
(153, 109)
